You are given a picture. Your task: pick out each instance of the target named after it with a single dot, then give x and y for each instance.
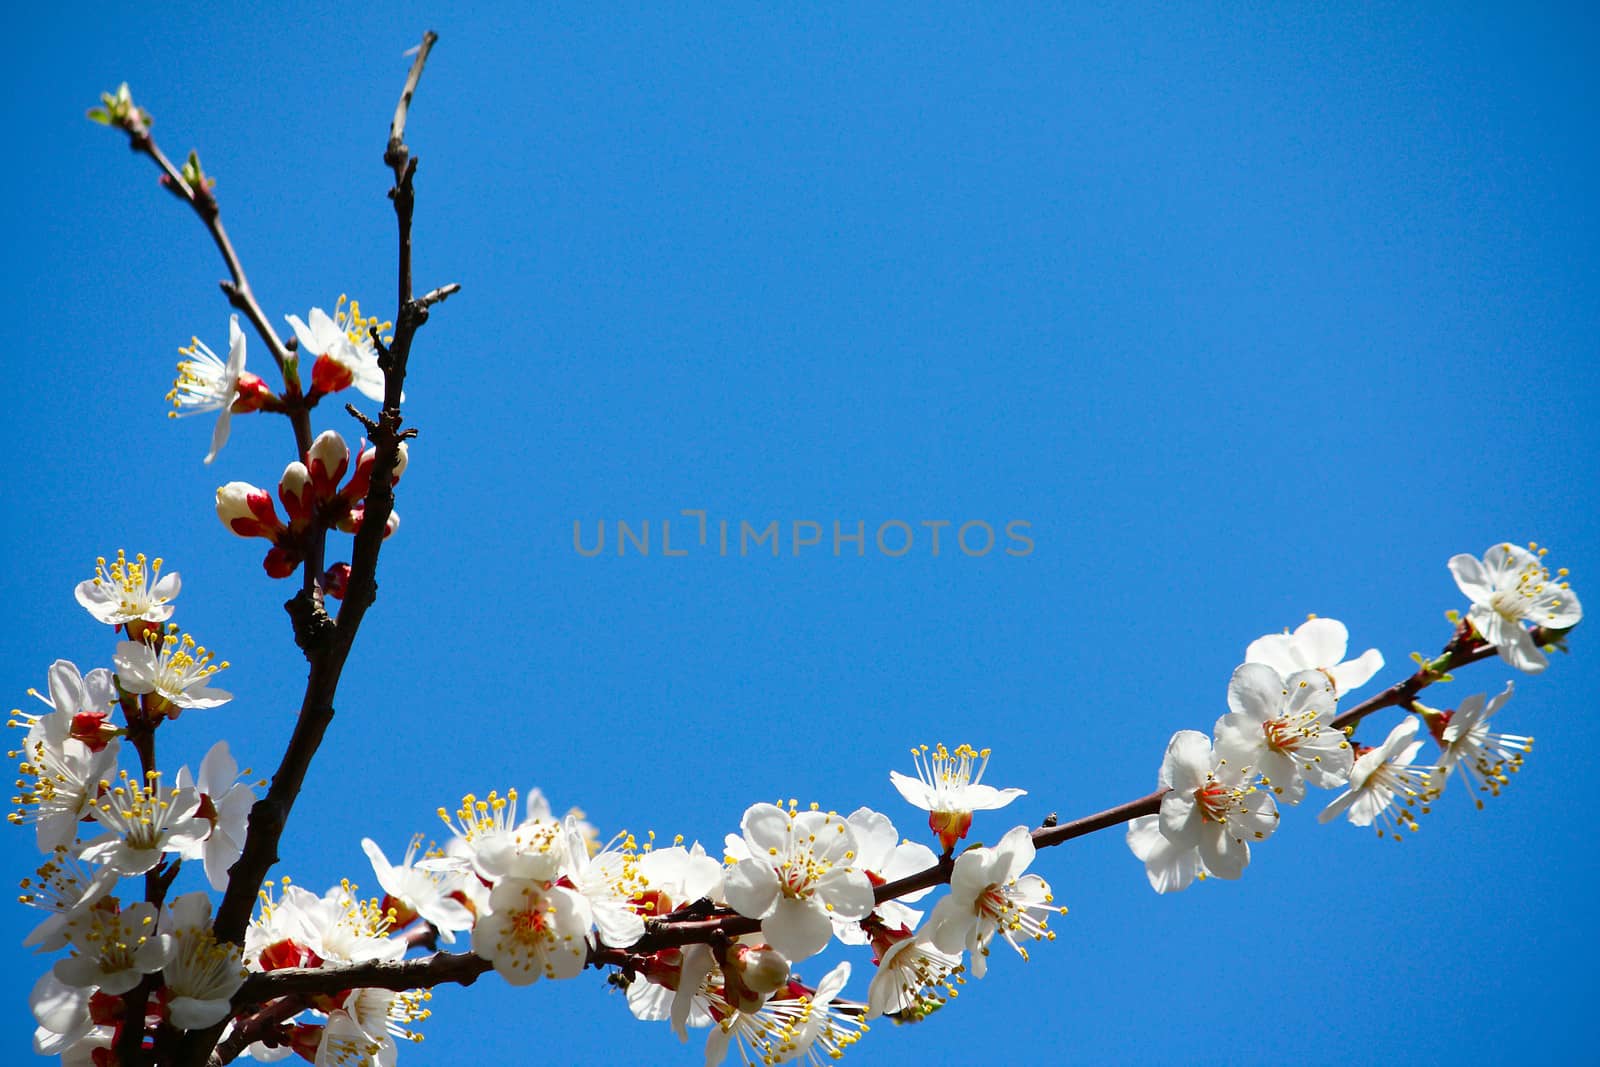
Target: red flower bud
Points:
(247, 511)
(280, 562)
(296, 491)
(327, 460)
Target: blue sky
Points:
(1248, 312)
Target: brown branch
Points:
(252, 1028)
(424, 972)
(269, 815)
(1465, 647)
(396, 153)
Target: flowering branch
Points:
(1466, 646)
(328, 646)
(705, 942)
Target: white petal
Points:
(1357, 672)
(1224, 855)
(916, 792)
(1256, 692)
(1275, 651)
(799, 929)
(1322, 641)
(752, 888)
(1471, 578)
(1188, 761)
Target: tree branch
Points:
(270, 814)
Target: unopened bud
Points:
(361, 480)
(335, 580)
(297, 493)
(751, 974)
(329, 459)
(392, 525)
(280, 562)
(247, 510)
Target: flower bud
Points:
(295, 490)
(400, 462)
(392, 525)
(280, 562)
(329, 459)
(361, 480)
(247, 511)
(335, 580)
(751, 974)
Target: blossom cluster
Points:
(1220, 794)
(97, 824)
(344, 355)
(542, 898)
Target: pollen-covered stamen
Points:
(914, 979)
(1410, 786)
(1217, 801)
(180, 664)
(358, 328)
(140, 812)
(948, 772)
(801, 868)
(395, 1013)
(203, 383)
(61, 886)
(804, 1029)
(54, 783)
(113, 937)
(1520, 600)
(1016, 914)
(1498, 757)
(1288, 733)
(478, 818)
(132, 584)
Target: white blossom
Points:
(143, 821)
(1213, 806)
(1281, 729)
(112, 947)
(176, 672)
(1482, 758)
(914, 979)
(1510, 586)
(534, 930)
(125, 593)
(989, 895)
(949, 788)
(797, 877)
(225, 804)
(205, 383)
(439, 897)
(201, 974)
(1379, 777)
(1316, 645)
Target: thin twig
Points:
(395, 154)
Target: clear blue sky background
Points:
(1250, 312)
